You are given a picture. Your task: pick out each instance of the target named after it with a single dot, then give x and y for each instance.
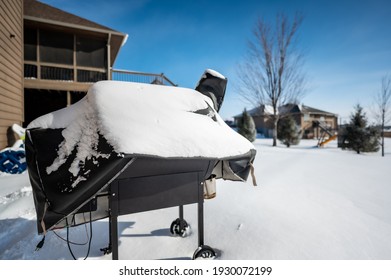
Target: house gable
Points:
(38, 14)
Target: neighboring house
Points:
(387, 131)
(304, 116)
(49, 59)
(261, 116)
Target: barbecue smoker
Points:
(82, 167)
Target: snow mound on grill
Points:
(148, 120)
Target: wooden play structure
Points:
(326, 136)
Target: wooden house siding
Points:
(11, 66)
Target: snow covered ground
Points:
(311, 203)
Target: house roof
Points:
(288, 108)
(311, 110)
(258, 111)
(36, 11)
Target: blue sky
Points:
(347, 43)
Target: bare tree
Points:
(382, 110)
(271, 73)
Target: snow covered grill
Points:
(127, 148)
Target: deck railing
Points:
(140, 77)
(80, 75)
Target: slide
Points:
(328, 140)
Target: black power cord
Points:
(89, 242)
(73, 242)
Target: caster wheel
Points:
(106, 251)
(179, 227)
(204, 252)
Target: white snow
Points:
(82, 134)
(311, 203)
(214, 73)
(269, 110)
(146, 120)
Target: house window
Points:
(306, 117)
(86, 76)
(30, 44)
(90, 52)
(56, 47)
(54, 55)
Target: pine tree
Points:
(246, 127)
(359, 137)
(288, 132)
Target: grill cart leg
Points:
(203, 251)
(113, 223)
(179, 226)
(113, 205)
(114, 236)
(108, 249)
(181, 212)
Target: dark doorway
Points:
(40, 102)
(77, 96)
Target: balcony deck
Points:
(67, 79)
